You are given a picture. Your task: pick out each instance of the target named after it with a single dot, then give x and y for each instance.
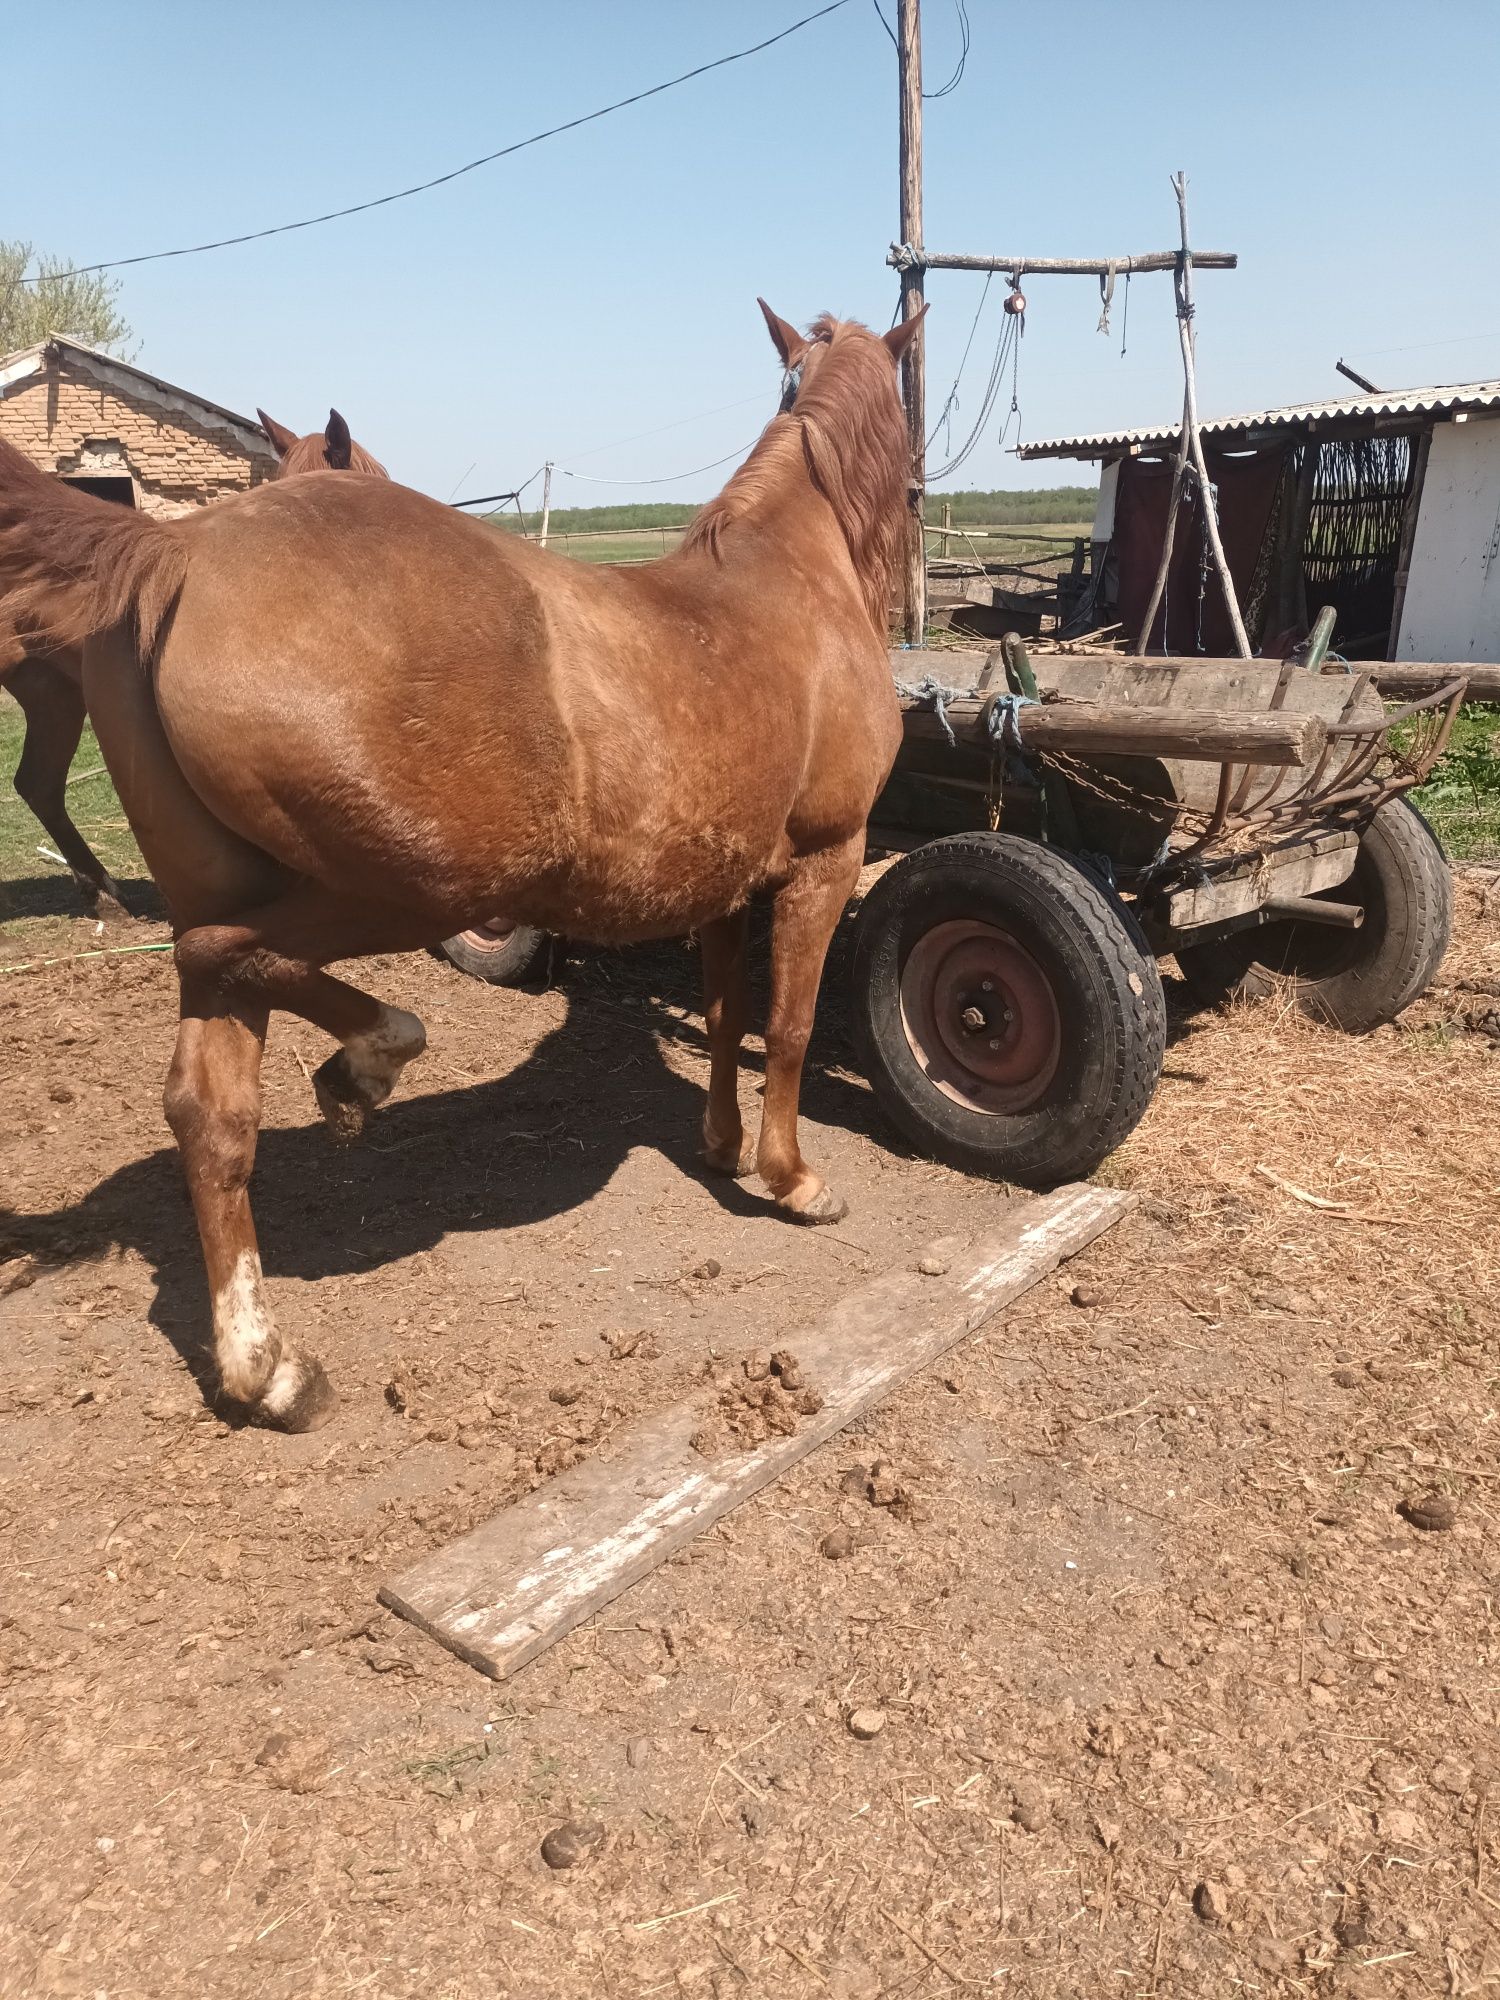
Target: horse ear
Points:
(338, 447)
(790, 344)
(281, 438)
(900, 337)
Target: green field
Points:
(1462, 798)
(639, 531)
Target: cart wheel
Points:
(501, 953)
(1006, 1016)
(1354, 980)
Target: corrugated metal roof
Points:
(1438, 400)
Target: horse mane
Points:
(310, 454)
(847, 429)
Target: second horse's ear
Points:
(281, 438)
(900, 337)
(790, 344)
(338, 447)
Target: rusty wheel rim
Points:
(492, 936)
(980, 1016)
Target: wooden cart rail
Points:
(1082, 729)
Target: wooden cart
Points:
(1062, 825)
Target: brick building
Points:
(123, 434)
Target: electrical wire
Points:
(1004, 348)
(668, 478)
(951, 403)
(455, 173)
(963, 55)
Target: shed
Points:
(108, 426)
(1384, 505)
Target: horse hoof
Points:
(345, 1107)
(736, 1165)
(298, 1397)
(825, 1206)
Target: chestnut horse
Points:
(49, 686)
(344, 719)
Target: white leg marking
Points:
(377, 1056)
(284, 1387)
(245, 1338)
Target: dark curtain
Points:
(1194, 618)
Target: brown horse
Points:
(49, 686)
(344, 719)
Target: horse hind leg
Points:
(53, 706)
(277, 953)
(212, 1103)
(358, 1078)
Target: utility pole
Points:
(541, 540)
(913, 364)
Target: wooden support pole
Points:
(914, 361)
(1077, 267)
(1191, 445)
(1088, 729)
(1184, 284)
(541, 540)
(1408, 538)
(1291, 584)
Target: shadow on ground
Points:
(516, 1150)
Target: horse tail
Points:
(72, 566)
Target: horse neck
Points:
(818, 459)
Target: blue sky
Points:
(603, 284)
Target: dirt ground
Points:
(1175, 1700)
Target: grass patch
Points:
(1462, 797)
(31, 882)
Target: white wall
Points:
(1104, 512)
(1452, 607)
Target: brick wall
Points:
(67, 422)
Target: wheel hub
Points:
(981, 1016)
(493, 935)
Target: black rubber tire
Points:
(1354, 980)
(510, 961)
(1104, 984)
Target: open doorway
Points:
(104, 485)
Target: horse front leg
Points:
(804, 916)
(53, 706)
(723, 945)
(212, 1104)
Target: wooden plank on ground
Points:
(507, 1591)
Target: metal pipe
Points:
(1313, 910)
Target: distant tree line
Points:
(1047, 503)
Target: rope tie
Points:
(1004, 716)
(903, 257)
(1107, 293)
(933, 694)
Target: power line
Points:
(484, 499)
(676, 425)
(667, 479)
(455, 173)
(963, 55)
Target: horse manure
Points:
(574, 1841)
(1433, 1512)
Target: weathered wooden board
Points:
(504, 1593)
(1300, 868)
